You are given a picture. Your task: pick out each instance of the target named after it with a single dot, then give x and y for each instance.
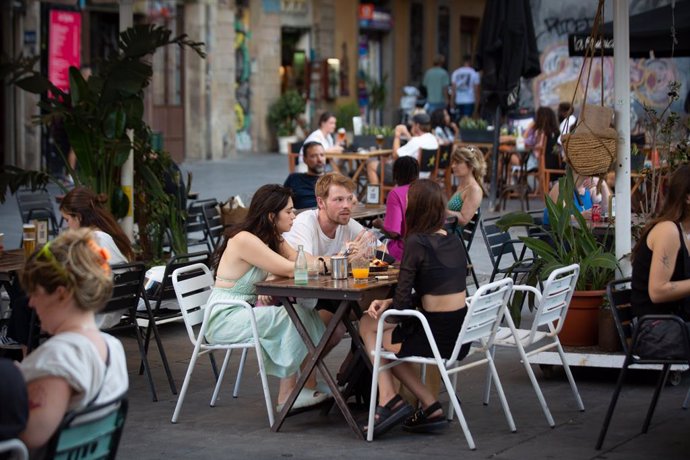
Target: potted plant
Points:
(282, 117)
(472, 130)
(103, 117)
(568, 240)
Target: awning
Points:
(650, 34)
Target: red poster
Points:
(64, 46)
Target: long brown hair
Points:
(675, 207)
(269, 199)
(426, 207)
(546, 121)
(83, 203)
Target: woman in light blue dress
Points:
(251, 251)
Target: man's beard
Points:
(316, 170)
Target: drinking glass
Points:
(29, 239)
(360, 268)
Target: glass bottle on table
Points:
(301, 266)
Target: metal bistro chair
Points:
(195, 225)
(428, 161)
(500, 243)
(15, 448)
(215, 229)
(550, 312)
(484, 313)
(293, 155)
(193, 285)
(619, 295)
(128, 280)
(90, 433)
(466, 234)
(151, 318)
(37, 205)
(443, 173)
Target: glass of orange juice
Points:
(360, 268)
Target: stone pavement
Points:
(238, 428)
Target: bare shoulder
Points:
(664, 233)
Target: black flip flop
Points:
(421, 422)
(390, 415)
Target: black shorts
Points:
(445, 326)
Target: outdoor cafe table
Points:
(10, 261)
(360, 160)
(365, 213)
(324, 287)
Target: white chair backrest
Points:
(555, 298)
(484, 313)
(193, 284)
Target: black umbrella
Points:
(507, 50)
(650, 31)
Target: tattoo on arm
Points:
(37, 398)
(671, 286)
(665, 261)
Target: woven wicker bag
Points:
(591, 148)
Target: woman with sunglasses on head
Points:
(468, 166)
(68, 281)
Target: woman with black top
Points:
(434, 266)
(661, 258)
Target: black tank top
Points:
(641, 303)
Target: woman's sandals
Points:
(422, 421)
(390, 415)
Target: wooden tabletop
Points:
(11, 261)
(367, 211)
(325, 287)
(359, 156)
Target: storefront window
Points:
(416, 42)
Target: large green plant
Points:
(99, 115)
(283, 113)
(567, 240)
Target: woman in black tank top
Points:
(661, 258)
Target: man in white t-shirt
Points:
(329, 230)
(465, 83)
(419, 138)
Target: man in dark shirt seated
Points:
(302, 184)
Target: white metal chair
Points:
(550, 313)
(16, 448)
(484, 313)
(193, 285)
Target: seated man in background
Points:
(419, 137)
(302, 184)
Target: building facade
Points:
(257, 49)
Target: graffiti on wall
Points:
(649, 78)
(242, 79)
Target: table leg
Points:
(315, 358)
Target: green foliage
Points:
(103, 119)
(344, 114)
(385, 131)
(377, 91)
(568, 240)
(283, 113)
(471, 123)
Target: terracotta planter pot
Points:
(581, 327)
(608, 335)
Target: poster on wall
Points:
(64, 46)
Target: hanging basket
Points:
(591, 148)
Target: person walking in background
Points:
(466, 89)
(436, 82)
